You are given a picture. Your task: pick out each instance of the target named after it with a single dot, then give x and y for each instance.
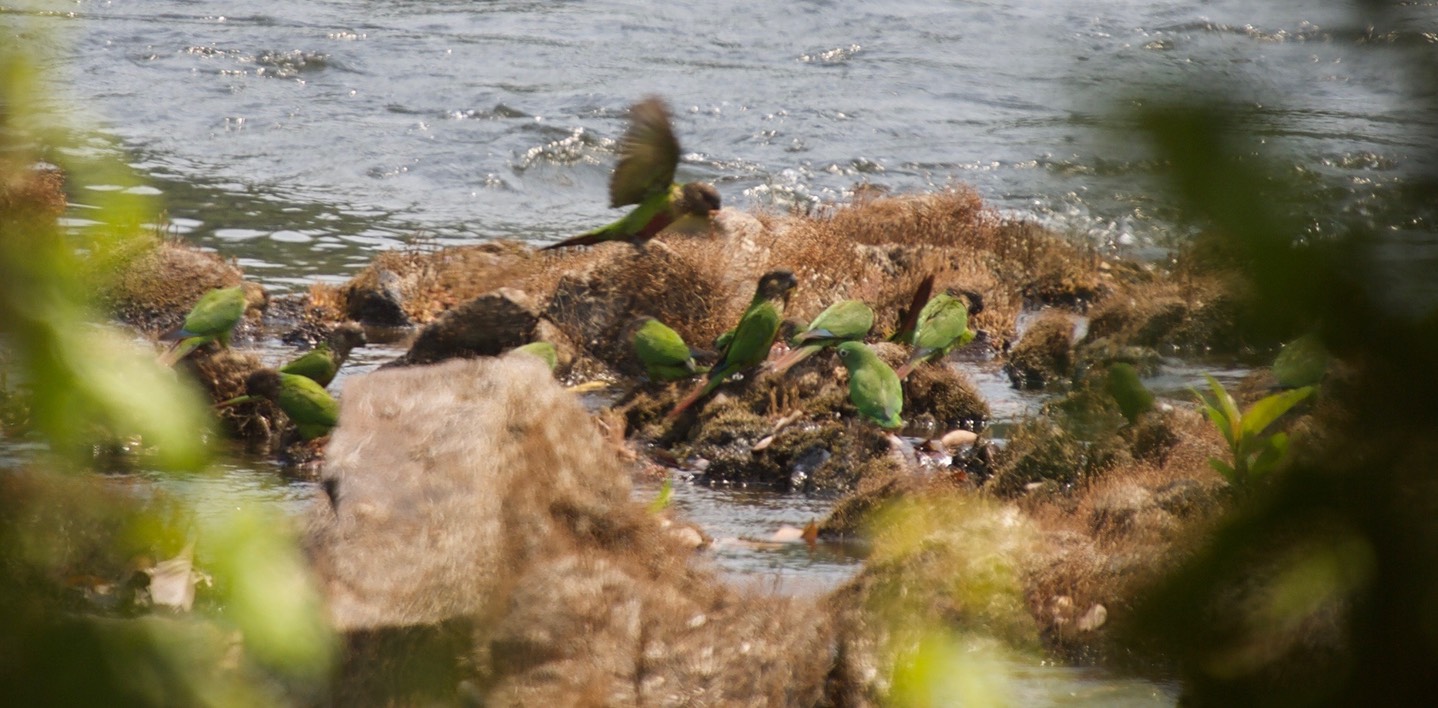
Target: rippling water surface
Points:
(303, 135)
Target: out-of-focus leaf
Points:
(1224, 469)
(1262, 413)
(268, 592)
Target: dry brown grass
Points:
(1120, 531)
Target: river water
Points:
(300, 137)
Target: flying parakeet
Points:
(212, 318)
(663, 352)
(753, 336)
(322, 363)
(942, 325)
(542, 349)
(1124, 385)
(648, 157)
(874, 388)
(842, 321)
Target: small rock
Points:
(1093, 619)
(955, 439)
(484, 326)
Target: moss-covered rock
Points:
(1044, 356)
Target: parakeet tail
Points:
(588, 239)
(786, 362)
(179, 350)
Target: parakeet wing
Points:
(658, 345)
(846, 319)
(875, 390)
(648, 155)
(752, 337)
(317, 365)
(217, 312)
(941, 323)
(306, 402)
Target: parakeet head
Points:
(975, 301)
(776, 285)
(699, 199)
(264, 383)
(850, 353)
(346, 337)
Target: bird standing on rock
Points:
(753, 336)
(322, 363)
(304, 402)
(663, 352)
(842, 321)
(874, 388)
(943, 324)
(648, 157)
(213, 318)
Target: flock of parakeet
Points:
(648, 159)
(298, 387)
(937, 326)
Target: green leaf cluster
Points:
(1255, 455)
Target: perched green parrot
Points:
(753, 336)
(648, 157)
(1124, 385)
(212, 318)
(942, 325)
(874, 388)
(1302, 362)
(842, 321)
(663, 352)
(542, 349)
(304, 402)
(322, 363)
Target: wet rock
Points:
(1039, 452)
(154, 290)
(1198, 315)
(955, 439)
(1044, 356)
(379, 303)
(484, 326)
(946, 394)
(594, 304)
(475, 522)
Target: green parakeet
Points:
(322, 363)
(1124, 385)
(842, 321)
(663, 352)
(942, 325)
(304, 402)
(542, 349)
(212, 318)
(648, 157)
(874, 388)
(753, 336)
